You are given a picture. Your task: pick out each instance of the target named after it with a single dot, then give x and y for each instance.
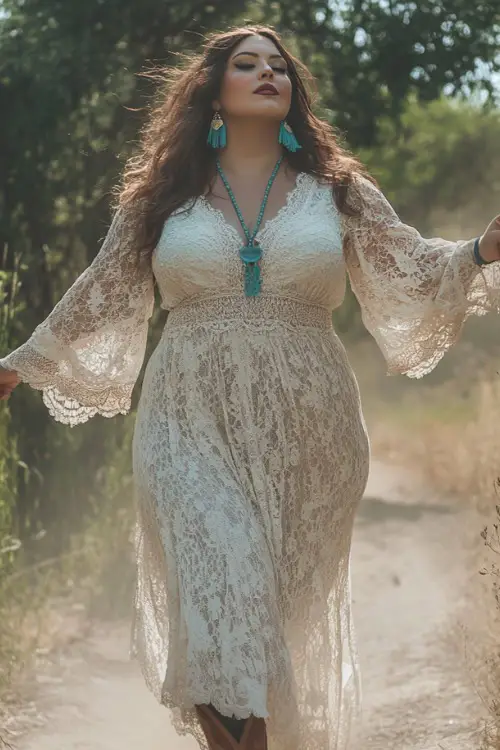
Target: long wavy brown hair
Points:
(175, 164)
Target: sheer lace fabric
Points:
(250, 452)
(415, 293)
(87, 354)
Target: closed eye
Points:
(249, 66)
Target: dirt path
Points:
(407, 587)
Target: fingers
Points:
(8, 377)
(10, 382)
(5, 392)
(494, 225)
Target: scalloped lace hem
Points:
(71, 403)
(71, 412)
(419, 358)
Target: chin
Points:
(269, 108)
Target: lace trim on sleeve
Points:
(87, 354)
(415, 294)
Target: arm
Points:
(87, 354)
(415, 294)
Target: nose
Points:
(266, 72)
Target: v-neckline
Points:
(219, 214)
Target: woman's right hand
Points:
(9, 379)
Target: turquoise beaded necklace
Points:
(251, 253)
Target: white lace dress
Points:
(250, 451)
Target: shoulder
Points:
(355, 192)
(357, 198)
(367, 200)
(363, 189)
(358, 185)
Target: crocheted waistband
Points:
(260, 309)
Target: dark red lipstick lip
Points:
(266, 87)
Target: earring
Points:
(287, 137)
(217, 136)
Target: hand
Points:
(9, 379)
(489, 244)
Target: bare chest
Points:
(249, 198)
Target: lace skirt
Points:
(250, 458)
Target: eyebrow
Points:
(254, 54)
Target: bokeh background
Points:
(414, 90)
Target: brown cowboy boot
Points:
(254, 735)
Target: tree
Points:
(371, 55)
(439, 165)
(67, 79)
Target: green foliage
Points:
(442, 155)
(439, 167)
(8, 446)
(371, 55)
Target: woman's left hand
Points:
(489, 244)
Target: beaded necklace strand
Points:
(251, 253)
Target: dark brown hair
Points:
(175, 164)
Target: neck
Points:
(252, 149)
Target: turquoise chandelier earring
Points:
(287, 138)
(217, 135)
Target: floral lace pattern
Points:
(250, 456)
(250, 451)
(415, 294)
(86, 356)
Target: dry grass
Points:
(449, 432)
(34, 623)
(456, 449)
(46, 605)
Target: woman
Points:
(250, 450)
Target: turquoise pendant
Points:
(252, 281)
(251, 255)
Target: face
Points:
(256, 82)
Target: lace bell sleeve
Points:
(415, 294)
(87, 354)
